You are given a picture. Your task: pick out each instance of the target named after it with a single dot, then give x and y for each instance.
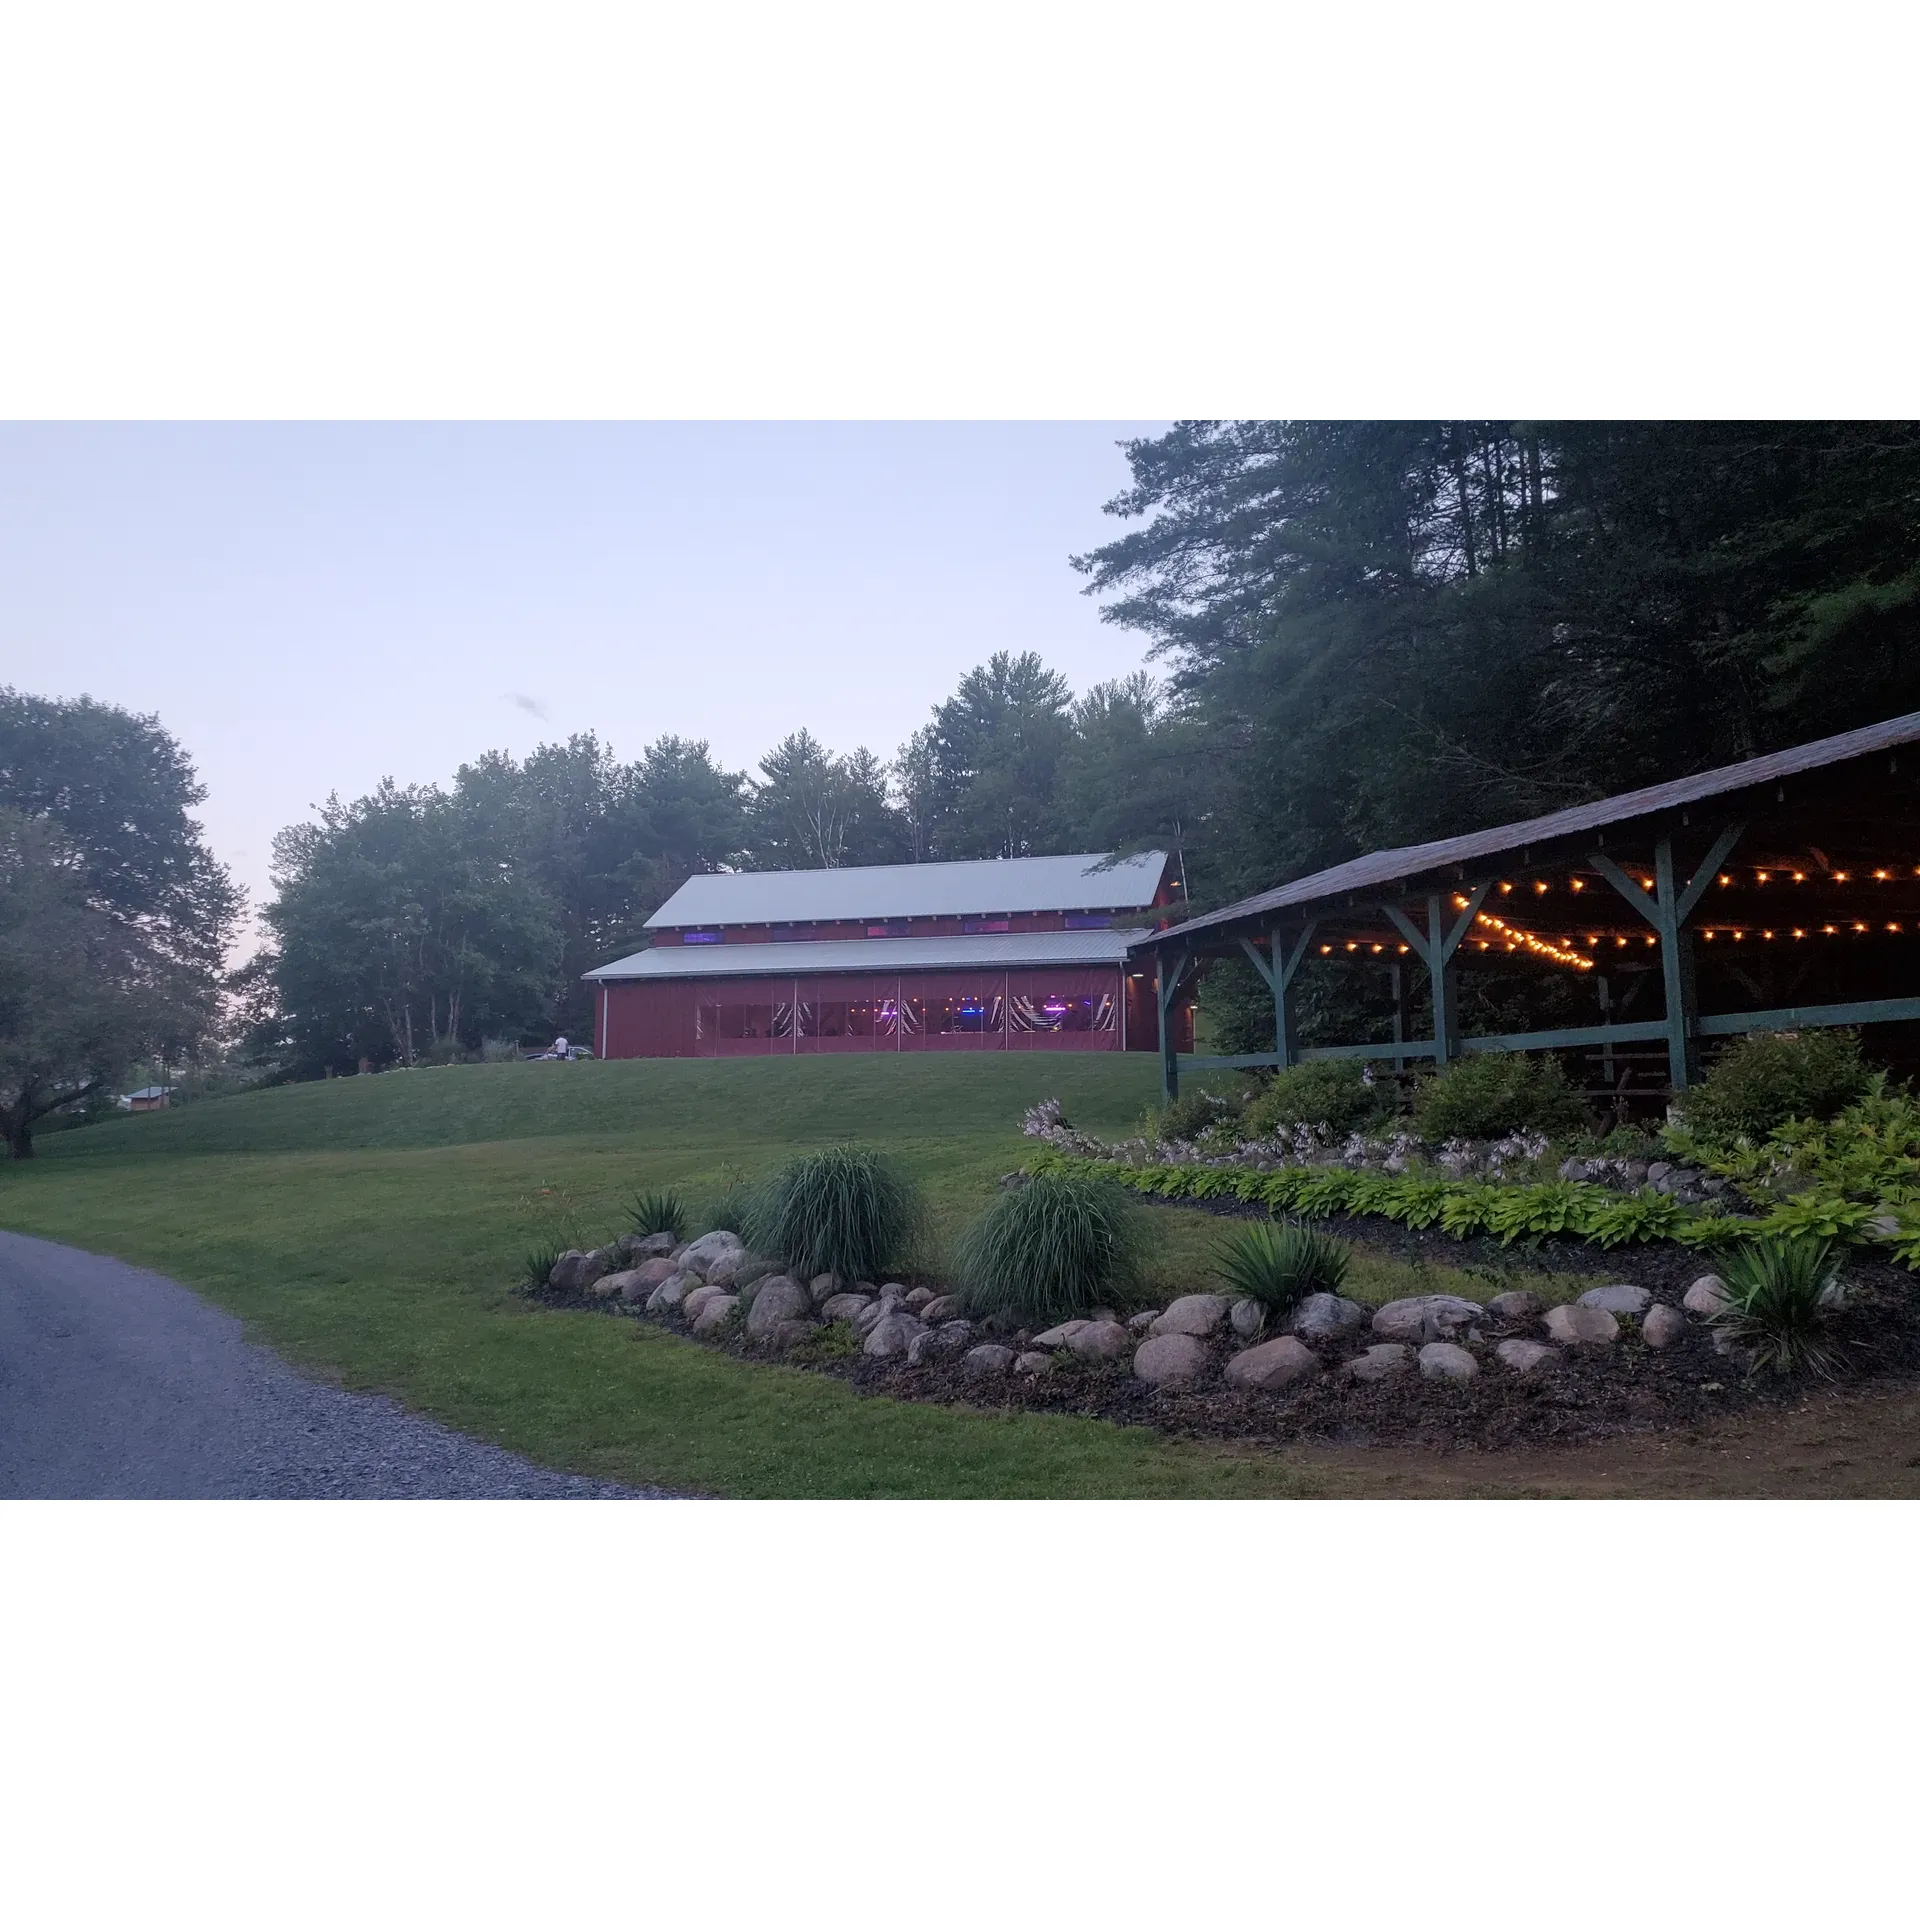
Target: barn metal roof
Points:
(1050, 883)
(1375, 870)
(777, 958)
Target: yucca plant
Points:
(844, 1210)
(539, 1261)
(1052, 1250)
(1280, 1265)
(655, 1212)
(1779, 1293)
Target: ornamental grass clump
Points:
(843, 1210)
(653, 1212)
(1779, 1294)
(1054, 1249)
(1280, 1265)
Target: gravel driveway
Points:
(119, 1384)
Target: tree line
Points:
(1367, 633)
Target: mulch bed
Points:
(1590, 1394)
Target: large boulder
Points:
(1033, 1363)
(1618, 1299)
(647, 1246)
(823, 1286)
(1708, 1294)
(781, 1299)
(942, 1308)
(930, 1343)
(844, 1306)
(1325, 1316)
(1100, 1340)
(728, 1264)
(1583, 1326)
(1425, 1316)
(693, 1301)
(718, 1310)
(1524, 1355)
(1273, 1366)
(699, 1255)
(1171, 1359)
(1197, 1314)
(917, 1297)
(1440, 1360)
(1060, 1335)
(1663, 1326)
(893, 1333)
(991, 1358)
(1381, 1361)
(649, 1273)
(565, 1274)
(871, 1313)
(670, 1292)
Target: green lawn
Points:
(371, 1230)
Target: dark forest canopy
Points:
(1386, 632)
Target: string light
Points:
(1518, 937)
(1880, 873)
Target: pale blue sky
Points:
(310, 607)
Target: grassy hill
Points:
(372, 1230)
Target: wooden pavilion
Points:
(1781, 892)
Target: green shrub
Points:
(1322, 1093)
(1487, 1095)
(843, 1210)
(1054, 1249)
(1280, 1265)
(653, 1212)
(1778, 1295)
(1767, 1079)
(1190, 1113)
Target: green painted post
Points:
(1278, 977)
(1445, 1041)
(1676, 971)
(1166, 982)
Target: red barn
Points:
(943, 956)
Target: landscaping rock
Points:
(824, 1286)
(600, 1260)
(1524, 1355)
(941, 1308)
(989, 1359)
(669, 1293)
(789, 1333)
(871, 1313)
(1274, 1366)
(1060, 1335)
(1033, 1363)
(1708, 1294)
(1618, 1299)
(1440, 1360)
(633, 1285)
(1100, 1340)
(893, 1290)
(919, 1297)
(691, 1303)
(1727, 1342)
(564, 1277)
(1378, 1362)
(717, 1312)
(1425, 1316)
(728, 1265)
(1172, 1359)
(1663, 1326)
(892, 1334)
(649, 1246)
(649, 1273)
(698, 1255)
(1517, 1305)
(1246, 1318)
(931, 1342)
(1142, 1321)
(1583, 1326)
(1012, 1182)
(844, 1306)
(1325, 1316)
(606, 1284)
(780, 1298)
(1198, 1314)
